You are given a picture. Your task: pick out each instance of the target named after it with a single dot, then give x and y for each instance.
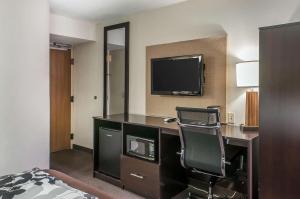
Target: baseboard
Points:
(82, 148)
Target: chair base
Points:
(195, 196)
(201, 193)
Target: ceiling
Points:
(97, 10)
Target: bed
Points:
(46, 184)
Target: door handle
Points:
(137, 176)
(108, 135)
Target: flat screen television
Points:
(182, 75)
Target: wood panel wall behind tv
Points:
(214, 51)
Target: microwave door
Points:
(142, 147)
(138, 147)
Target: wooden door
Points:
(60, 105)
(279, 131)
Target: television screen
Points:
(177, 75)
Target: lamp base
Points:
(248, 128)
(252, 109)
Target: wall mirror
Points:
(116, 69)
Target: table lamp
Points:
(247, 76)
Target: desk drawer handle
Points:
(108, 135)
(137, 176)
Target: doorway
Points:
(60, 103)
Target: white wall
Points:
(116, 37)
(73, 28)
(239, 19)
(24, 85)
(86, 83)
(194, 19)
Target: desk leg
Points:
(252, 165)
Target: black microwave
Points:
(140, 147)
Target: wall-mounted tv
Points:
(182, 75)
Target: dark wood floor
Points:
(72, 162)
(78, 164)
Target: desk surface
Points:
(228, 131)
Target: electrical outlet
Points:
(230, 118)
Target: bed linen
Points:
(38, 184)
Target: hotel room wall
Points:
(194, 19)
(24, 85)
(214, 51)
(87, 82)
(73, 28)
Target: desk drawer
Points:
(140, 177)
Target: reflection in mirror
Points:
(115, 71)
(116, 68)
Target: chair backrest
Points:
(201, 140)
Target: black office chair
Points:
(202, 146)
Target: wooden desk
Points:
(232, 134)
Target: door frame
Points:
(126, 95)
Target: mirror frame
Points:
(126, 85)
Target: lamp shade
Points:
(247, 74)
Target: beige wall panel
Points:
(214, 51)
